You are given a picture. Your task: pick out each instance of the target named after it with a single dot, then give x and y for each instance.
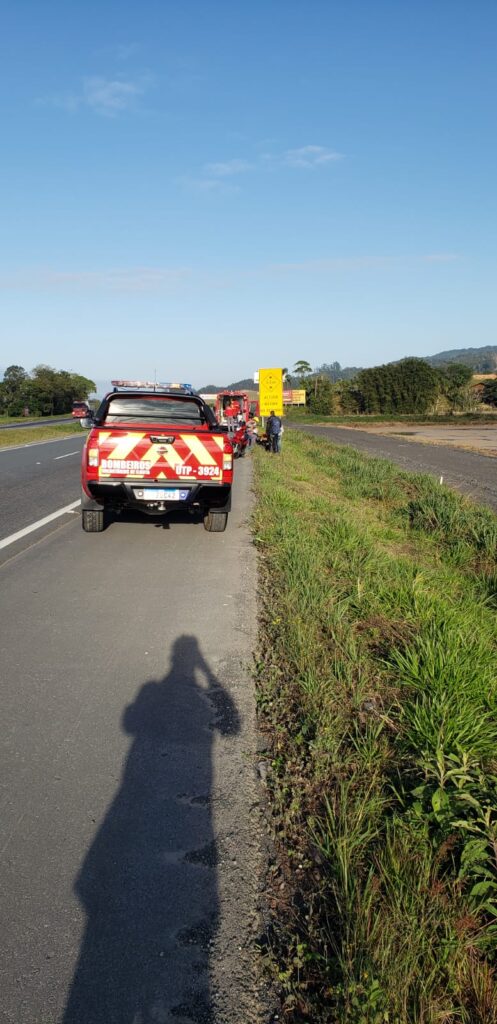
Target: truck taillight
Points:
(227, 455)
(92, 458)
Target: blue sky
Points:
(201, 188)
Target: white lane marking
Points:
(53, 440)
(66, 456)
(36, 526)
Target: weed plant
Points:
(377, 689)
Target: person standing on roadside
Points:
(274, 429)
(252, 432)
(229, 415)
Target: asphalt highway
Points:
(36, 479)
(473, 474)
(129, 848)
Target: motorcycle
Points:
(239, 440)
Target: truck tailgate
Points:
(153, 455)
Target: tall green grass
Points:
(378, 692)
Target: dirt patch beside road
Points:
(472, 438)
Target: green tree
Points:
(321, 398)
(454, 383)
(46, 389)
(14, 390)
(409, 386)
(302, 368)
(348, 397)
(82, 387)
(45, 392)
(489, 392)
(14, 376)
(55, 390)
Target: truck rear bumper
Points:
(121, 494)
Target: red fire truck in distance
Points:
(238, 401)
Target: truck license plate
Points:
(161, 494)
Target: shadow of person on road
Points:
(148, 882)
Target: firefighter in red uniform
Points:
(230, 414)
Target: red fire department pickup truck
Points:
(156, 448)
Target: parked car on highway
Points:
(155, 448)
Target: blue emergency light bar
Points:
(151, 385)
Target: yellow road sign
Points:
(271, 391)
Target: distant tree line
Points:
(335, 372)
(409, 386)
(481, 360)
(247, 384)
(43, 392)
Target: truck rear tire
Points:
(215, 522)
(92, 520)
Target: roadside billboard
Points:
(271, 391)
(292, 397)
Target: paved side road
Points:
(469, 472)
(129, 857)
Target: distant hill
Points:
(481, 360)
(239, 385)
(242, 385)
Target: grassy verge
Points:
(25, 435)
(30, 419)
(377, 691)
